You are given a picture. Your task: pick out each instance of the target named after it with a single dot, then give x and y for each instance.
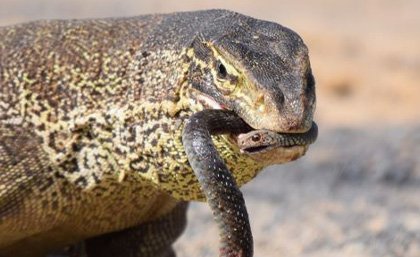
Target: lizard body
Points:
(92, 114)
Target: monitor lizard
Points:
(108, 127)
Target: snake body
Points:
(217, 183)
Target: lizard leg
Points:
(153, 239)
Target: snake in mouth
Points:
(217, 183)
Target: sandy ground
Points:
(357, 191)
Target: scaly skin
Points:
(92, 114)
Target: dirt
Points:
(357, 191)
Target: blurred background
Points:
(357, 192)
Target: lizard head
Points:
(258, 69)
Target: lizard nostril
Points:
(278, 99)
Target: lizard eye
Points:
(221, 70)
(224, 81)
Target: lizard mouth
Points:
(256, 142)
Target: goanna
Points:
(92, 114)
